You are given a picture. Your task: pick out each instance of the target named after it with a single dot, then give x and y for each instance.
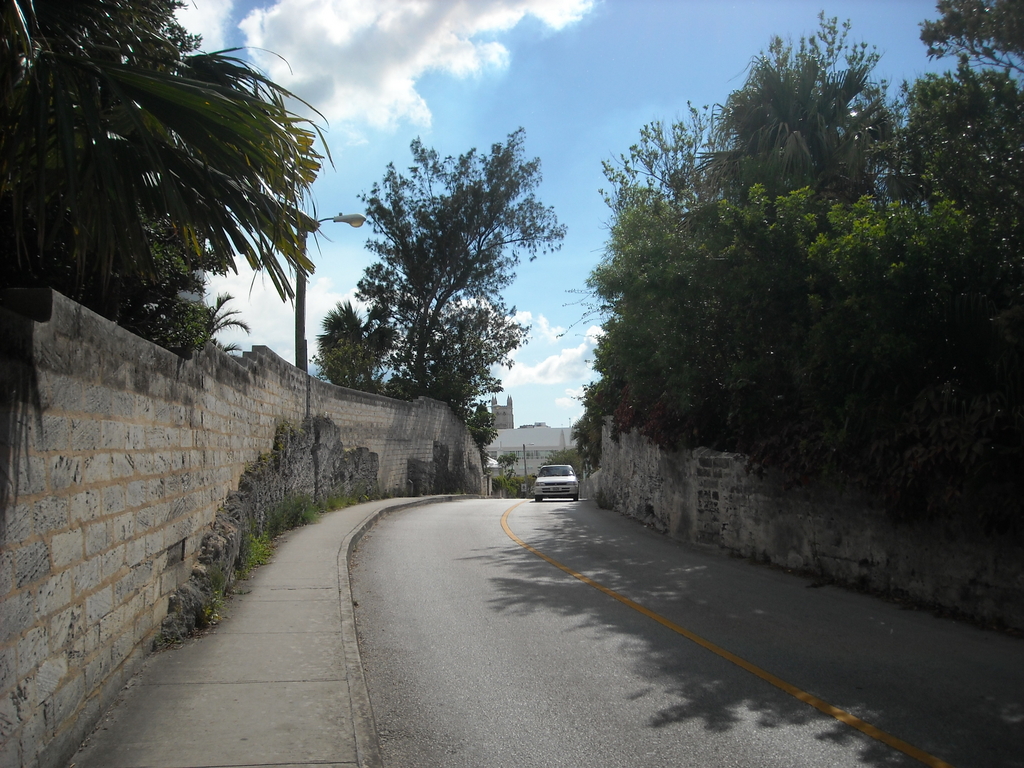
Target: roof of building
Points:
(536, 437)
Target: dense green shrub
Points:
(856, 311)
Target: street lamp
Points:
(301, 362)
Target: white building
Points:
(535, 442)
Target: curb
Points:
(363, 724)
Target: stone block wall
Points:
(309, 461)
(115, 456)
(706, 497)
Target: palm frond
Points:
(92, 140)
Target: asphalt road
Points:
(477, 652)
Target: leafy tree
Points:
(706, 301)
(341, 323)
(109, 122)
(704, 321)
(154, 306)
(758, 304)
(451, 234)
(507, 462)
(666, 165)
(588, 430)
(914, 386)
(481, 427)
(964, 141)
(351, 365)
(987, 32)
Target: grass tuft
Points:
(293, 512)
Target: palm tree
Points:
(105, 121)
(222, 318)
(342, 323)
(801, 121)
(352, 351)
(345, 323)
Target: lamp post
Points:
(301, 361)
(524, 468)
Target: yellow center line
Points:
(822, 706)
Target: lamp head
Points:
(353, 219)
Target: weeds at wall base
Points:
(200, 603)
(255, 551)
(293, 512)
(198, 606)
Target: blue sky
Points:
(581, 76)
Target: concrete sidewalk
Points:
(277, 682)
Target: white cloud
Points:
(271, 319)
(570, 364)
(572, 399)
(208, 18)
(359, 61)
(541, 326)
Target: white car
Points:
(556, 481)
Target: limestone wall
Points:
(115, 456)
(707, 497)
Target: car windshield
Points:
(555, 472)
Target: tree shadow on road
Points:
(705, 687)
